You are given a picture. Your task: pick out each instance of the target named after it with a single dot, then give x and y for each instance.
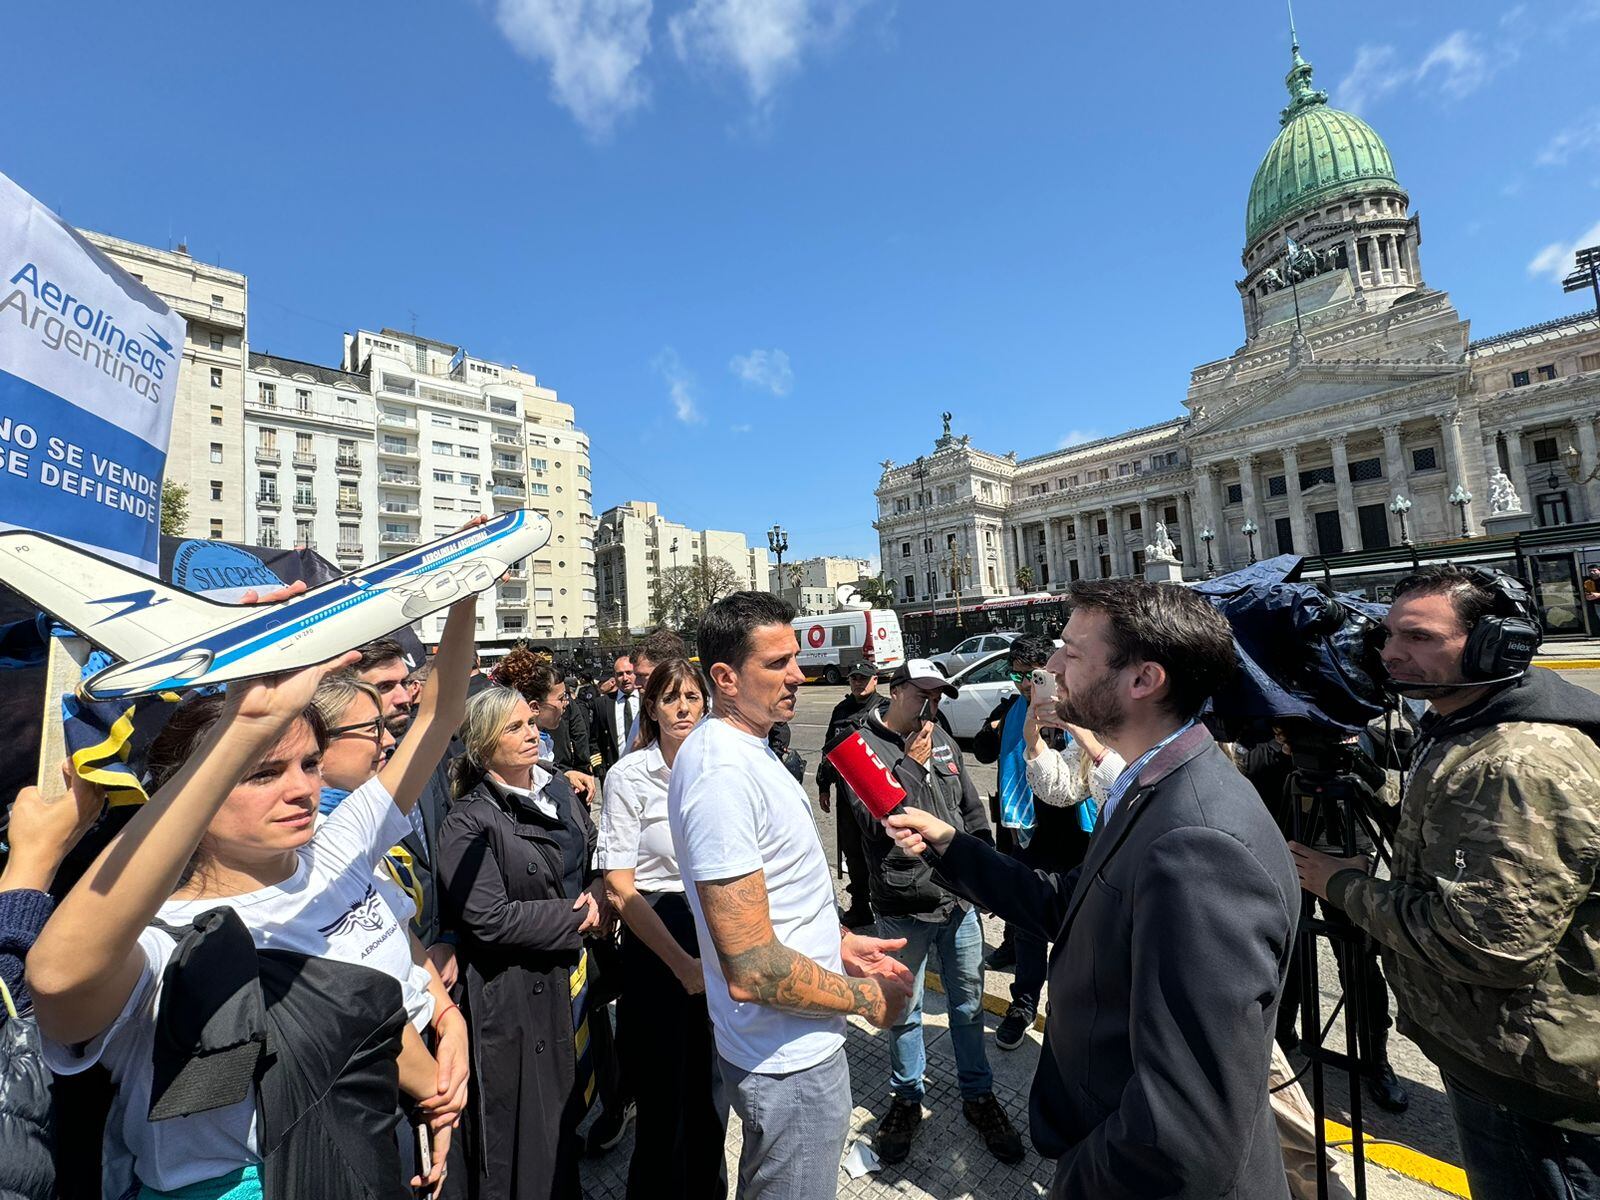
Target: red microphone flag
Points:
(867, 776)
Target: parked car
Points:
(970, 651)
(983, 685)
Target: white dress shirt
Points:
(634, 831)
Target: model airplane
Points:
(171, 640)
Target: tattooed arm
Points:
(761, 970)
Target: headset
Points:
(1501, 645)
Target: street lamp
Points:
(778, 542)
(1400, 506)
(1574, 464)
(1208, 536)
(677, 587)
(1461, 498)
(1249, 530)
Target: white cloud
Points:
(593, 49)
(1454, 68)
(680, 386)
(1555, 260)
(765, 369)
(763, 41)
(1076, 437)
(741, 428)
(1574, 139)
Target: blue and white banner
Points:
(89, 362)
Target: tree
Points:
(174, 508)
(876, 590)
(684, 592)
(1025, 578)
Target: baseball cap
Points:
(863, 670)
(925, 675)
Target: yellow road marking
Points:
(1568, 664)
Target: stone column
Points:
(1394, 461)
(1586, 465)
(1455, 463)
(1349, 526)
(1147, 527)
(1210, 502)
(1297, 512)
(1193, 552)
(1113, 540)
(1247, 493)
(1080, 522)
(1517, 468)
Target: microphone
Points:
(1405, 687)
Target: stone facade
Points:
(1357, 382)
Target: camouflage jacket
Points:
(1490, 924)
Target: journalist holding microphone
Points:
(1173, 935)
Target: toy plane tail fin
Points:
(120, 610)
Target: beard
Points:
(1095, 708)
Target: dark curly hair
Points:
(526, 671)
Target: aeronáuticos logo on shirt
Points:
(366, 913)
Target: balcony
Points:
(308, 461)
(514, 497)
(398, 450)
(399, 479)
(401, 508)
(210, 314)
(399, 537)
(349, 549)
(509, 600)
(506, 439)
(268, 455)
(516, 572)
(305, 502)
(268, 538)
(511, 466)
(391, 421)
(268, 500)
(348, 508)
(347, 463)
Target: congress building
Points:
(1357, 383)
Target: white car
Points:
(984, 684)
(964, 654)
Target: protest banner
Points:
(89, 361)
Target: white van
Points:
(831, 645)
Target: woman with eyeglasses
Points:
(664, 1029)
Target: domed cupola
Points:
(1320, 154)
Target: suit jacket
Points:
(432, 805)
(1172, 943)
(603, 730)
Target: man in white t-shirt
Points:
(784, 974)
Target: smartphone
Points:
(1044, 686)
(424, 1155)
(927, 710)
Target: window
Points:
(909, 587)
(927, 545)
(1589, 362)
(539, 489)
(349, 535)
(216, 414)
(216, 341)
(442, 420)
(302, 490)
(443, 448)
(1548, 371)
(302, 399)
(444, 503)
(543, 596)
(467, 451)
(1544, 450)
(539, 464)
(843, 635)
(216, 489)
(991, 672)
(1518, 379)
(268, 487)
(1135, 520)
(933, 582)
(1364, 469)
(468, 478)
(1100, 527)
(1425, 459)
(347, 451)
(1277, 485)
(905, 549)
(216, 377)
(267, 394)
(467, 425)
(1170, 514)
(302, 443)
(216, 452)
(302, 534)
(218, 299)
(1310, 479)
(216, 529)
(1235, 493)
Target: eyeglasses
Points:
(1019, 676)
(372, 729)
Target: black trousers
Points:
(664, 1034)
(855, 856)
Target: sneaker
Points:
(986, 1116)
(1003, 957)
(895, 1132)
(607, 1130)
(1014, 1027)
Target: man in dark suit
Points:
(613, 716)
(1173, 936)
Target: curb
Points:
(1396, 1156)
(1568, 664)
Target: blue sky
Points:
(760, 244)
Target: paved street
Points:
(948, 1160)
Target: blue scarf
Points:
(1016, 797)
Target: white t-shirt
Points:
(634, 830)
(330, 907)
(735, 809)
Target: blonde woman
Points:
(514, 855)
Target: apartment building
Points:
(310, 459)
(636, 545)
(206, 450)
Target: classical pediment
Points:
(1308, 388)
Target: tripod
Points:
(1332, 792)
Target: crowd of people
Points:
(365, 936)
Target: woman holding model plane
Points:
(233, 965)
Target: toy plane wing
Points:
(172, 640)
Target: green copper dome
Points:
(1320, 153)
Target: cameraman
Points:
(1490, 924)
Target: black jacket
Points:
(501, 871)
(432, 805)
(1172, 942)
(844, 718)
(901, 884)
(602, 730)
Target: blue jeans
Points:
(959, 942)
(1512, 1157)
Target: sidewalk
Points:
(1583, 654)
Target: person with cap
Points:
(842, 722)
(911, 902)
